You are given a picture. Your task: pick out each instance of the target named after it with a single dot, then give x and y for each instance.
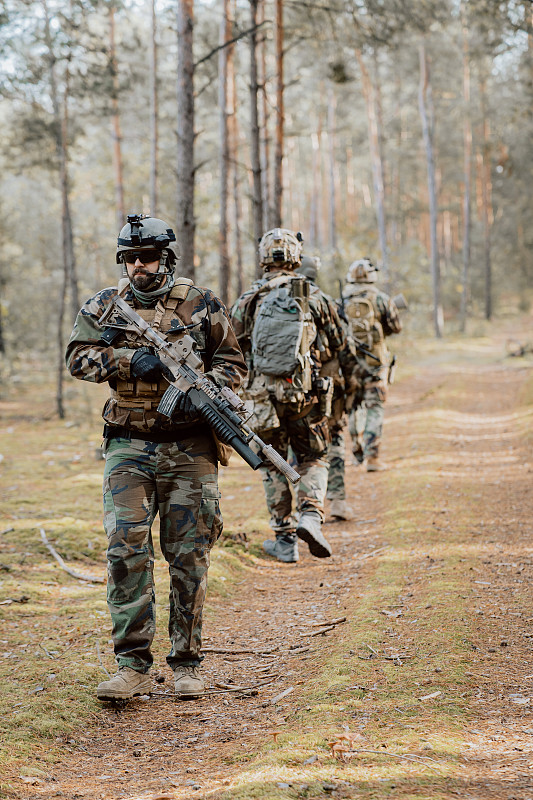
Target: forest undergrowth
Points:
(400, 667)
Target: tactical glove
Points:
(147, 367)
(185, 408)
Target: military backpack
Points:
(365, 325)
(281, 339)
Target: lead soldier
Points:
(154, 464)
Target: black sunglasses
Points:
(144, 256)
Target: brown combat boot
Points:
(374, 464)
(188, 683)
(341, 509)
(124, 685)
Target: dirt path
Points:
(450, 525)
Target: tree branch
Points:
(230, 42)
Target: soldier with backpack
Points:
(282, 327)
(372, 316)
(340, 366)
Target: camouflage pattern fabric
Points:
(90, 361)
(308, 435)
(178, 481)
(176, 478)
(308, 438)
(366, 418)
(336, 476)
(365, 422)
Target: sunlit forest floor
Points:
(420, 686)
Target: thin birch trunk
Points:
(154, 117)
(186, 223)
(120, 211)
(425, 105)
(224, 262)
(257, 192)
(280, 119)
(467, 170)
(369, 95)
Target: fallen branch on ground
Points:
(223, 651)
(347, 753)
(210, 692)
(328, 622)
(80, 576)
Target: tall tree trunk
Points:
(331, 166)
(120, 210)
(486, 194)
(257, 194)
(2, 340)
(223, 55)
(69, 264)
(265, 117)
(154, 115)
(186, 223)
(280, 119)
(467, 170)
(369, 94)
(425, 104)
(233, 138)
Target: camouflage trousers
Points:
(308, 439)
(336, 455)
(178, 480)
(365, 422)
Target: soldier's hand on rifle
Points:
(184, 407)
(147, 367)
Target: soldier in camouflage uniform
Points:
(153, 464)
(289, 410)
(340, 367)
(372, 316)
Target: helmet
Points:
(362, 271)
(280, 247)
(142, 232)
(309, 267)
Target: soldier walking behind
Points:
(280, 326)
(372, 316)
(339, 366)
(155, 464)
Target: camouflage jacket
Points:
(133, 404)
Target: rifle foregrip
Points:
(228, 436)
(280, 463)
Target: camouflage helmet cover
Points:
(280, 247)
(361, 271)
(142, 232)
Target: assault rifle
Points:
(219, 407)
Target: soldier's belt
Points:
(158, 437)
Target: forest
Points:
(397, 129)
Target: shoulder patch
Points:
(180, 289)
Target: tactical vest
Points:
(162, 318)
